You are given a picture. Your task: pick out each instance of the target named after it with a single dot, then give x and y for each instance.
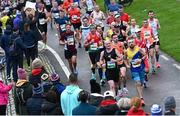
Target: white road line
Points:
(58, 58)
(178, 67)
(164, 57)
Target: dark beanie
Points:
(169, 103)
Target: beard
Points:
(132, 46)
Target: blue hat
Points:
(156, 110)
(38, 89)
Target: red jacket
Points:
(139, 112)
(4, 89)
(107, 102)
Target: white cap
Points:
(108, 93)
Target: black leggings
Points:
(2, 109)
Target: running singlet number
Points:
(42, 21)
(94, 47)
(70, 40)
(134, 63)
(147, 34)
(74, 17)
(63, 27)
(56, 15)
(111, 65)
(48, 2)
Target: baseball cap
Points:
(108, 93)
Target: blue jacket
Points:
(17, 21)
(29, 38)
(69, 99)
(34, 104)
(5, 41)
(84, 109)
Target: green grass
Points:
(168, 13)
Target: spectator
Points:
(69, 96)
(57, 86)
(29, 40)
(156, 110)
(37, 71)
(4, 89)
(5, 40)
(35, 102)
(170, 106)
(23, 91)
(114, 7)
(108, 106)
(17, 21)
(124, 105)
(84, 108)
(95, 97)
(136, 107)
(51, 106)
(46, 84)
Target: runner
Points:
(42, 22)
(109, 58)
(121, 66)
(154, 23)
(123, 16)
(133, 28)
(147, 36)
(134, 60)
(85, 28)
(70, 50)
(92, 43)
(74, 15)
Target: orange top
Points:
(74, 14)
(94, 37)
(119, 47)
(147, 35)
(66, 4)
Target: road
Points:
(164, 83)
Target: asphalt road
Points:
(164, 83)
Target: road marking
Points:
(164, 57)
(58, 58)
(178, 67)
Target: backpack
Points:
(20, 95)
(12, 47)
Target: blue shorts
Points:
(138, 76)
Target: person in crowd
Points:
(22, 91)
(84, 108)
(57, 86)
(156, 110)
(69, 96)
(95, 96)
(136, 107)
(4, 19)
(123, 16)
(30, 41)
(37, 71)
(170, 105)
(4, 89)
(45, 82)
(17, 22)
(124, 105)
(5, 40)
(108, 106)
(34, 104)
(114, 7)
(50, 106)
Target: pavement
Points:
(164, 83)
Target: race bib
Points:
(74, 17)
(94, 47)
(134, 64)
(48, 2)
(70, 40)
(42, 21)
(147, 34)
(63, 27)
(111, 65)
(56, 15)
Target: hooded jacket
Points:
(69, 99)
(17, 21)
(4, 89)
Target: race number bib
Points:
(48, 2)
(74, 17)
(147, 34)
(42, 21)
(56, 15)
(70, 40)
(134, 64)
(94, 47)
(63, 27)
(111, 65)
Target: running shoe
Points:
(158, 65)
(142, 102)
(102, 82)
(153, 70)
(93, 76)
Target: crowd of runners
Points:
(115, 44)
